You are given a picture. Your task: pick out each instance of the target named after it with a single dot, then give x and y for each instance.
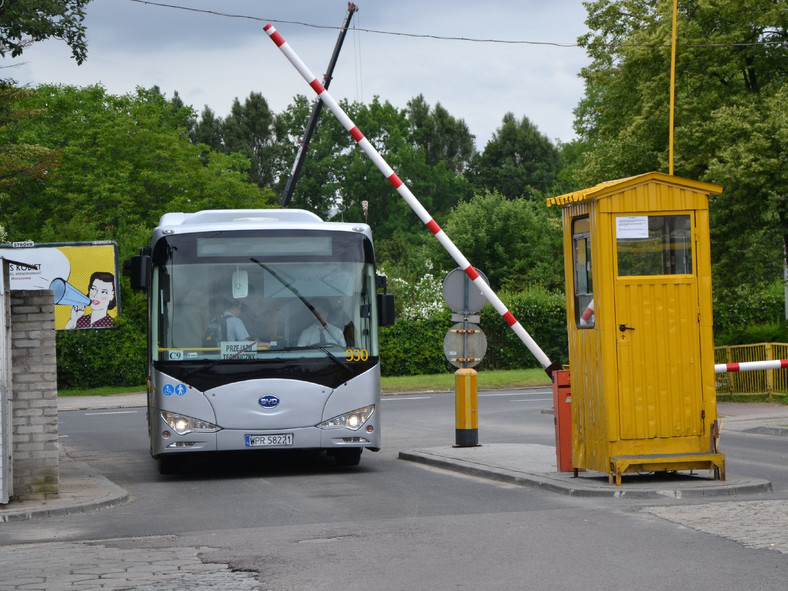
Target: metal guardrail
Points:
(769, 381)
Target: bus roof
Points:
(249, 219)
(239, 216)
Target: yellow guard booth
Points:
(638, 284)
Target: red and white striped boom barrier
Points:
(410, 199)
(750, 366)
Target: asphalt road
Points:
(295, 521)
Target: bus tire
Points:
(347, 457)
(168, 464)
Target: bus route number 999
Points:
(356, 354)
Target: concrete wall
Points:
(34, 394)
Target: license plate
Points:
(265, 440)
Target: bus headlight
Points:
(183, 424)
(352, 420)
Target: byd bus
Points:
(263, 334)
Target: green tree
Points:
(518, 161)
(124, 161)
(751, 216)
(443, 138)
(208, 130)
(732, 65)
(20, 160)
(24, 22)
(515, 242)
(428, 149)
(251, 129)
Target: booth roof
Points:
(609, 187)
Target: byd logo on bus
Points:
(268, 401)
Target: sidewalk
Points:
(83, 489)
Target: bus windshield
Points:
(257, 295)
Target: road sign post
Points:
(464, 346)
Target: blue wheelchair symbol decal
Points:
(168, 389)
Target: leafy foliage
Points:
(419, 299)
(730, 127)
(518, 161)
(413, 347)
(543, 315)
(95, 358)
(429, 148)
(747, 306)
(23, 22)
(516, 243)
(19, 159)
(123, 161)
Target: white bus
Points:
(263, 334)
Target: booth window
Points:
(583, 282)
(654, 245)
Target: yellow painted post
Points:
(672, 88)
(466, 408)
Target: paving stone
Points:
(755, 524)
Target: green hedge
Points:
(414, 347)
(743, 308)
(542, 314)
(750, 315)
(96, 358)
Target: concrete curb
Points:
(87, 490)
(654, 486)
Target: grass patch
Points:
(775, 399)
(103, 391)
(486, 380)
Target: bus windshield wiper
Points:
(339, 361)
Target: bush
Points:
(95, 358)
(736, 310)
(542, 314)
(760, 333)
(414, 347)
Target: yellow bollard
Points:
(466, 408)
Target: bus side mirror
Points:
(137, 269)
(385, 309)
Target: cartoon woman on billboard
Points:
(102, 299)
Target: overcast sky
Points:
(211, 59)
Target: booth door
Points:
(657, 326)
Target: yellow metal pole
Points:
(672, 88)
(769, 372)
(466, 408)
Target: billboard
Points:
(82, 275)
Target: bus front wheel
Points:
(347, 457)
(168, 464)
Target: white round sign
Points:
(455, 287)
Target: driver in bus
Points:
(321, 332)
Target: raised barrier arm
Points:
(410, 199)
